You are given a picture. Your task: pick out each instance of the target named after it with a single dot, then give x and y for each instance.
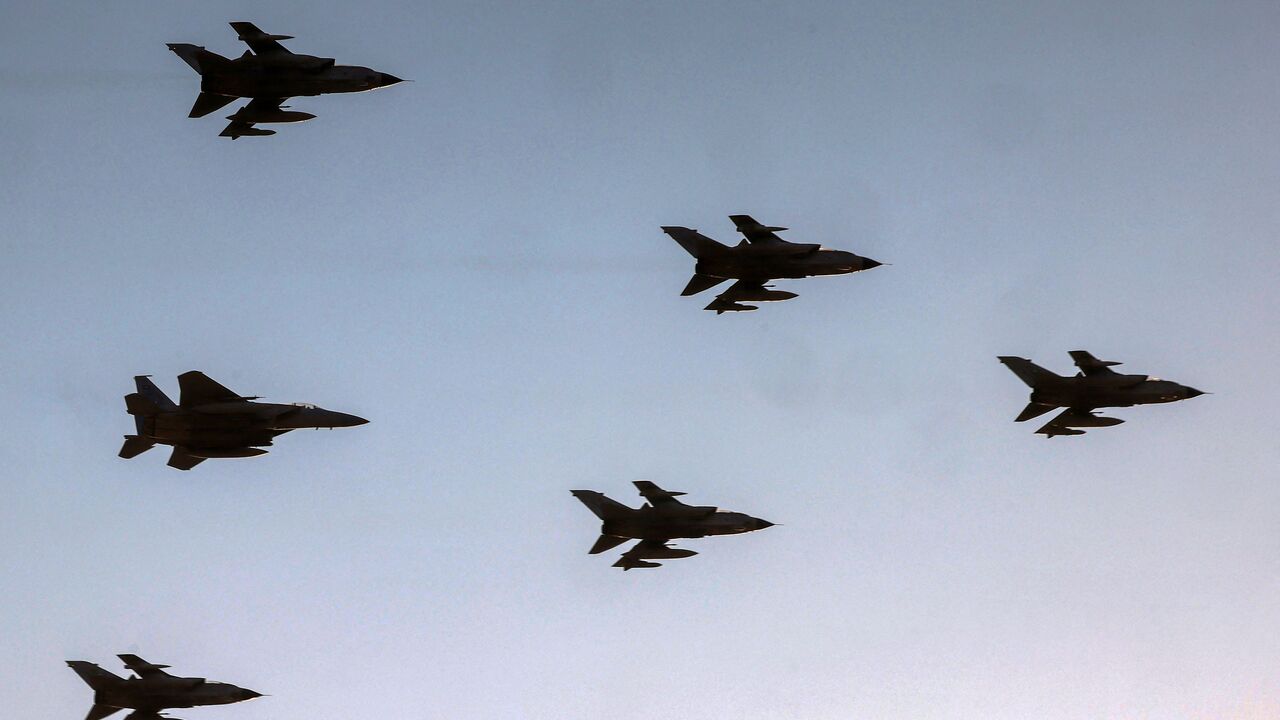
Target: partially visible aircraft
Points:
(151, 690)
(268, 74)
(1095, 386)
(658, 522)
(753, 262)
(210, 421)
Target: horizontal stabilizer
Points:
(1033, 410)
(605, 543)
(135, 446)
(183, 460)
(700, 282)
(99, 711)
(209, 102)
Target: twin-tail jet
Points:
(269, 74)
(658, 522)
(210, 421)
(753, 262)
(151, 690)
(1095, 386)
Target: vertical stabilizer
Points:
(1027, 371)
(94, 676)
(148, 390)
(603, 507)
(695, 243)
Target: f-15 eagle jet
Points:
(655, 524)
(210, 421)
(269, 74)
(1095, 386)
(753, 262)
(151, 690)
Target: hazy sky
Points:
(473, 262)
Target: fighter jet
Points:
(270, 75)
(753, 262)
(151, 690)
(1095, 386)
(661, 520)
(210, 421)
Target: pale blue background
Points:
(473, 262)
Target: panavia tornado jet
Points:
(269, 75)
(151, 690)
(658, 522)
(1095, 386)
(210, 421)
(753, 262)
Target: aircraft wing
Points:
(1090, 365)
(256, 110)
(636, 556)
(143, 668)
(259, 42)
(754, 232)
(735, 297)
(656, 495)
(196, 388)
(1066, 422)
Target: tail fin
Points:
(603, 507)
(700, 282)
(605, 543)
(153, 394)
(135, 446)
(696, 244)
(1027, 371)
(200, 60)
(94, 676)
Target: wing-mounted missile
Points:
(760, 293)
(239, 130)
(240, 452)
(721, 305)
(629, 563)
(661, 553)
(249, 115)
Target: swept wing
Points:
(259, 42)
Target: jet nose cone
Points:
(868, 263)
(246, 694)
(759, 524)
(385, 79)
(352, 420)
(1192, 392)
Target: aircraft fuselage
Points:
(1108, 392)
(249, 78)
(756, 261)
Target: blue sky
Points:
(473, 262)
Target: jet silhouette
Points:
(210, 421)
(753, 262)
(1095, 386)
(269, 74)
(151, 690)
(661, 520)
